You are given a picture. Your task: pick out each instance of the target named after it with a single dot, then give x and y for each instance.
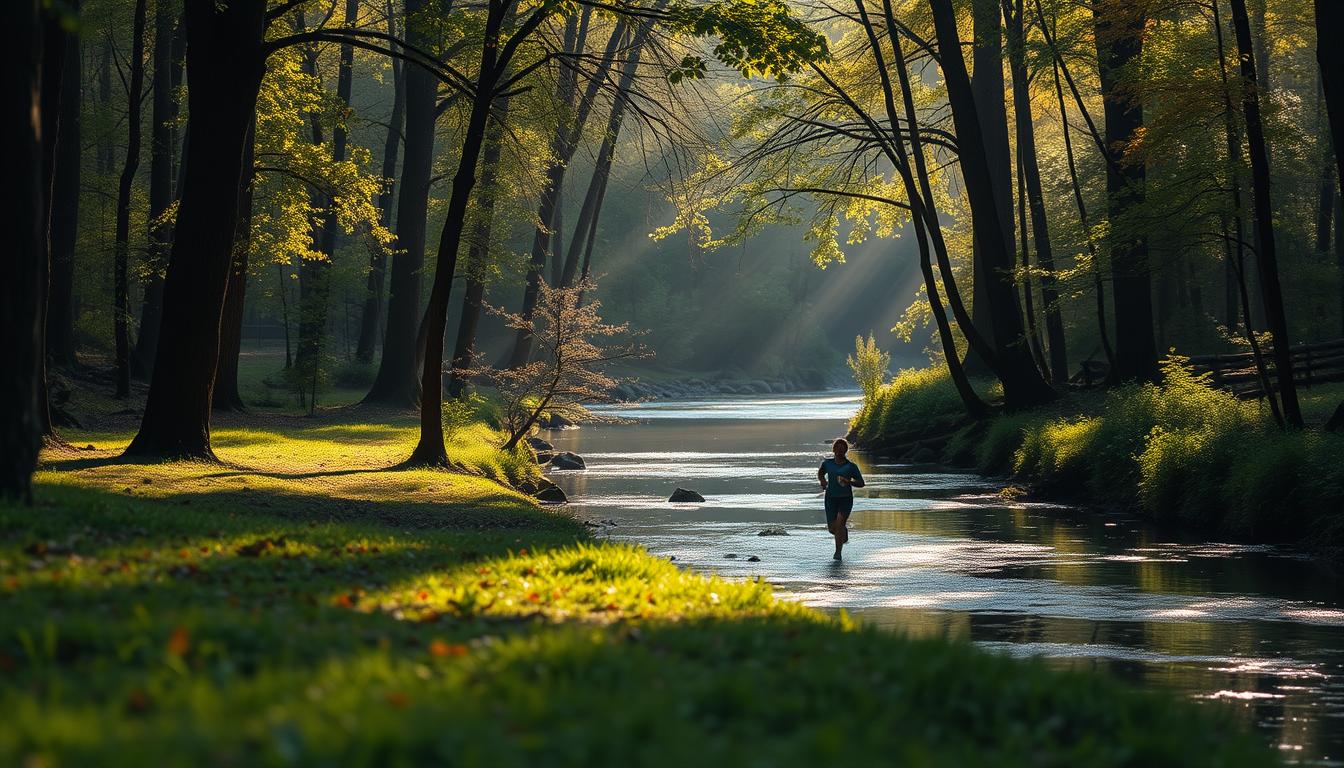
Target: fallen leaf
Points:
(443, 650)
(179, 642)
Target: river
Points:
(936, 553)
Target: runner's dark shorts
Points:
(838, 506)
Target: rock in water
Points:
(683, 496)
(552, 494)
(773, 532)
(753, 559)
(539, 445)
(567, 460)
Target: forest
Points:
(312, 306)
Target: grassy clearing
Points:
(301, 605)
(1180, 452)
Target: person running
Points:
(839, 477)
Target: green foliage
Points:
(755, 37)
(912, 401)
(869, 365)
(459, 412)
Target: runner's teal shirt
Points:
(834, 471)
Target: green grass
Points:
(301, 604)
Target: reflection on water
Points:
(1252, 628)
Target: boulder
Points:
(753, 559)
(539, 445)
(552, 494)
(684, 496)
(567, 460)
(773, 532)
(544, 457)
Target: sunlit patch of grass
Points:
(349, 461)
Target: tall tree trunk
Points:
(225, 68)
(315, 273)
(478, 251)
(371, 316)
(55, 44)
(121, 310)
(22, 218)
(585, 227)
(430, 450)
(927, 208)
(1119, 36)
(1267, 262)
(1098, 285)
(987, 88)
(1339, 250)
(1235, 249)
(564, 141)
(106, 153)
(1325, 197)
(1330, 58)
(1022, 382)
(396, 383)
(916, 194)
(168, 57)
(557, 238)
(1031, 175)
(1028, 300)
(65, 215)
(227, 396)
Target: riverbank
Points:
(1179, 453)
(300, 603)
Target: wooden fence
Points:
(1312, 364)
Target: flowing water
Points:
(937, 553)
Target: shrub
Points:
(995, 451)
(1057, 453)
(459, 412)
(869, 365)
(914, 399)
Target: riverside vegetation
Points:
(1179, 451)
